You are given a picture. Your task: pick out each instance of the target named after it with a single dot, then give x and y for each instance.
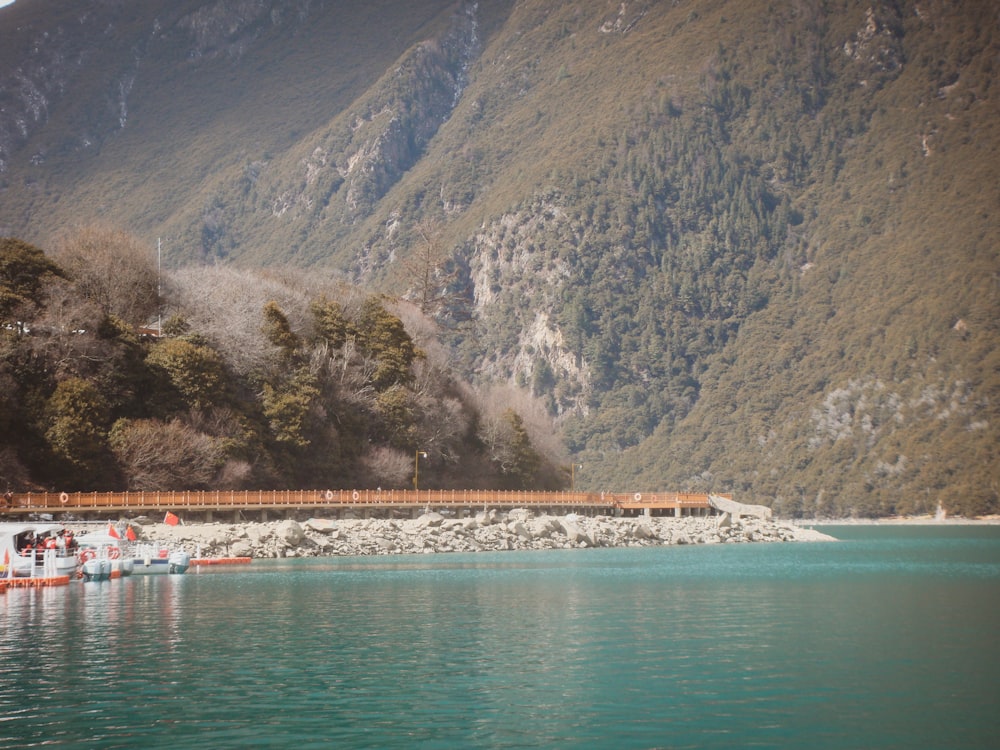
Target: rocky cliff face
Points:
(86, 59)
(353, 163)
(47, 63)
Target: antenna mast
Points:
(159, 296)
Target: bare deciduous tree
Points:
(113, 269)
(233, 475)
(432, 278)
(156, 455)
(225, 304)
(423, 264)
(492, 401)
(70, 342)
(389, 467)
(497, 436)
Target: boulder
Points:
(256, 533)
(241, 548)
(541, 528)
(519, 530)
(321, 525)
(289, 532)
(574, 533)
(483, 518)
(429, 519)
(643, 530)
(459, 524)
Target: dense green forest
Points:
(333, 393)
(728, 245)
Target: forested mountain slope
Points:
(732, 244)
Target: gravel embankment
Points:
(518, 529)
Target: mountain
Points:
(732, 245)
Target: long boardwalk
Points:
(203, 505)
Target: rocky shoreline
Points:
(487, 531)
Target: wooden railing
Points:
(257, 499)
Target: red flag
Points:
(170, 519)
(112, 531)
(129, 534)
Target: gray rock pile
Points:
(517, 529)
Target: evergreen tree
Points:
(77, 417)
(24, 270)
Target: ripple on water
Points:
(830, 645)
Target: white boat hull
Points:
(124, 565)
(96, 547)
(26, 566)
(33, 563)
(96, 569)
(175, 563)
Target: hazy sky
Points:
(5, 2)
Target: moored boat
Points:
(151, 559)
(102, 557)
(36, 550)
(128, 558)
(96, 569)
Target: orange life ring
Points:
(87, 554)
(63, 498)
(164, 554)
(114, 553)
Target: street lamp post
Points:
(572, 475)
(416, 467)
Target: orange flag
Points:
(129, 534)
(112, 531)
(170, 519)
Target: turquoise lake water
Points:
(888, 638)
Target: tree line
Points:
(113, 377)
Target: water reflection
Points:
(831, 644)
